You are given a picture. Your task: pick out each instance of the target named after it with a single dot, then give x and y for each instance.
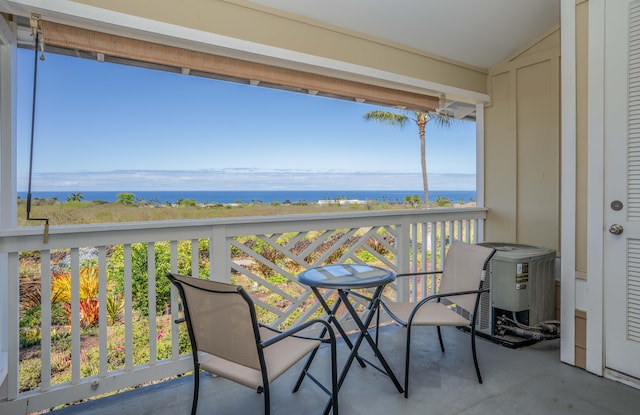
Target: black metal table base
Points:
(363, 326)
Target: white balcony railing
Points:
(90, 344)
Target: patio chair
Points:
(455, 304)
(227, 340)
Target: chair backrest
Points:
(464, 271)
(221, 318)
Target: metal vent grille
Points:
(542, 295)
(633, 290)
(483, 321)
(633, 150)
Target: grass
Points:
(71, 213)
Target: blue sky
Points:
(102, 126)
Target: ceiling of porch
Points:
(477, 33)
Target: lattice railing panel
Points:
(267, 265)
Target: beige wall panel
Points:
(500, 164)
(522, 147)
(548, 43)
(582, 26)
(243, 20)
(538, 155)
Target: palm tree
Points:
(421, 119)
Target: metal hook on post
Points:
(36, 28)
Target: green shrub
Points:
(125, 198)
(30, 374)
(30, 327)
(412, 201)
(115, 273)
(184, 344)
(366, 256)
(278, 279)
(443, 202)
(115, 353)
(139, 265)
(271, 255)
(186, 203)
(62, 377)
(29, 336)
(90, 363)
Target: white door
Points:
(622, 187)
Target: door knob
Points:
(616, 229)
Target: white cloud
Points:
(242, 179)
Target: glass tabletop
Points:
(346, 276)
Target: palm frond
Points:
(386, 117)
(442, 120)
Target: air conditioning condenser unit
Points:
(520, 306)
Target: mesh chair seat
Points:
(430, 314)
(278, 357)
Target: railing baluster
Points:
(195, 258)
(423, 252)
(151, 302)
(467, 231)
(414, 260)
(13, 326)
(75, 315)
(477, 229)
(45, 322)
(173, 266)
(414, 245)
(434, 254)
(128, 309)
(103, 319)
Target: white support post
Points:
(568, 177)
(479, 234)
(595, 198)
(220, 255)
(8, 195)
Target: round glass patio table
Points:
(346, 276)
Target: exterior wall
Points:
(522, 147)
(241, 19)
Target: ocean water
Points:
(258, 196)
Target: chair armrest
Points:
(443, 295)
(393, 316)
(408, 274)
(298, 328)
(450, 294)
